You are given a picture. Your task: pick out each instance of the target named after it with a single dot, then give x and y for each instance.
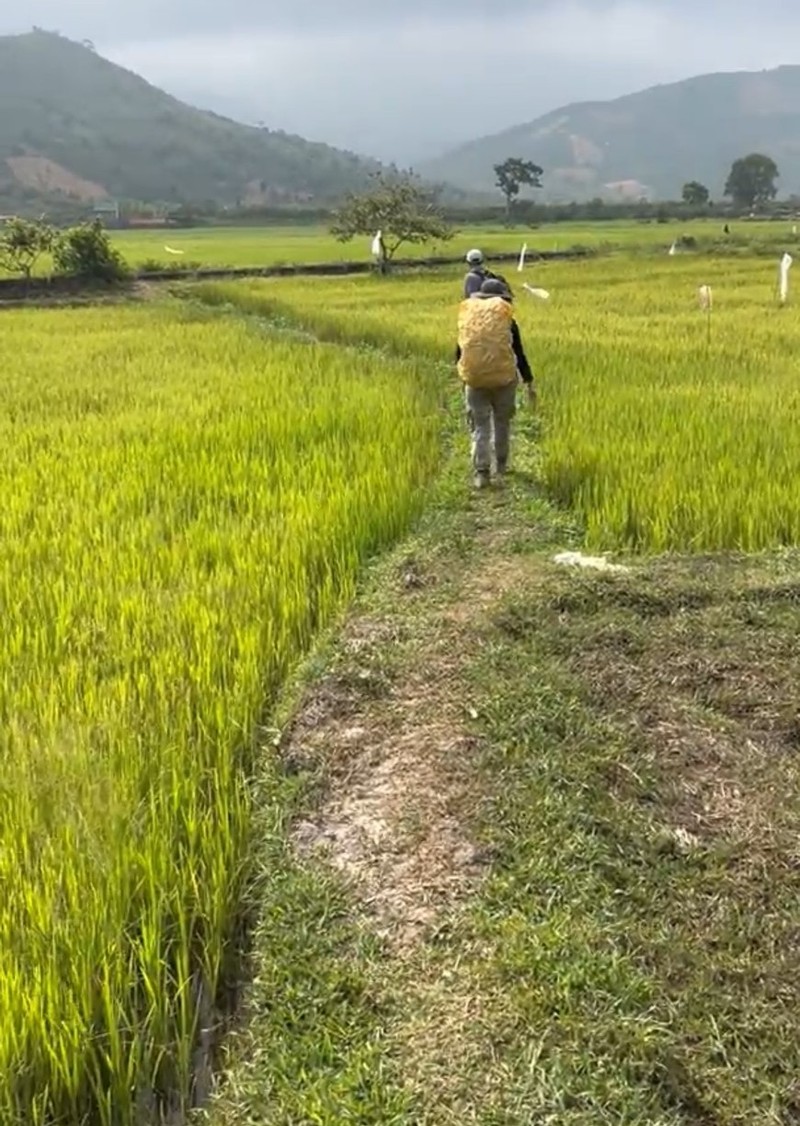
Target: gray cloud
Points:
(156, 19)
(402, 80)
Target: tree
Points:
(86, 252)
(512, 174)
(696, 194)
(752, 179)
(22, 243)
(401, 209)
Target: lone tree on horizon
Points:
(696, 194)
(513, 174)
(400, 208)
(752, 179)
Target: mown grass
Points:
(660, 434)
(311, 1041)
(187, 502)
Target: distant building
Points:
(147, 221)
(108, 211)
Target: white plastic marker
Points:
(706, 297)
(522, 254)
(542, 294)
(672, 250)
(171, 250)
(593, 562)
(786, 265)
(377, 244)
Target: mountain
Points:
(649, 143)
(74, 126)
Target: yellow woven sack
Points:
(484, 336)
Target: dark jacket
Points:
(523, 367)
(474, 280)
(477, 276)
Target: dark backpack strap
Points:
(500, 278)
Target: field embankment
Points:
(58, 286)
(295, 249)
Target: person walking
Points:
(490, 359)
(478, 273)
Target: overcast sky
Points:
(402, 79)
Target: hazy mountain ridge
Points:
(650, 142)
(75, 126)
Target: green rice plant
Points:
(300, 244)
(186, 502)
(263, 246)
(660, 431)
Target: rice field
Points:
(187, 501)
(189, 497)
(260, 247)
(662, 431)
(264, 246)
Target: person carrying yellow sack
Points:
(490, 360)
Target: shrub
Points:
(22, 243)
(86, 252)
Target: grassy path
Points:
(540, 864)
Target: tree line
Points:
(752, 182)
(399, 210)
(396, 210)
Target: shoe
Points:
(481, 481)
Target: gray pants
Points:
(487, 406)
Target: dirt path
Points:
(392, 727)
(396, 749)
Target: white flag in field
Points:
(522, 254)
(786, 265)
(706, 297)
(377, 244)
